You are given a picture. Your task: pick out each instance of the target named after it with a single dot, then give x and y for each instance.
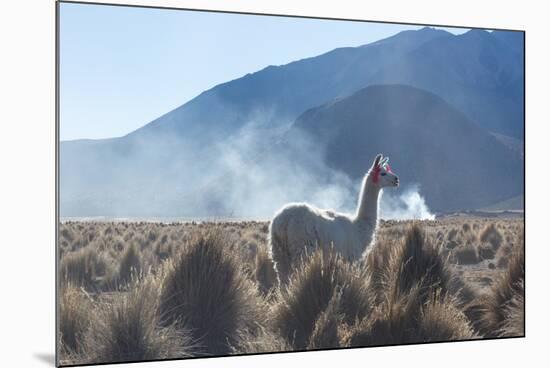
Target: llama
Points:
(298, 227)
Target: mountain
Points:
(478, 72)
(511, 204)
(276, 95)
(512, 39)
(166, 162)
(457, 164)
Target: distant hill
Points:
(457, 164)
(511, 204)
(478, 72)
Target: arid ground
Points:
(139, 291)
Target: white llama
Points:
(299, 226)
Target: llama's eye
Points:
(383, 174)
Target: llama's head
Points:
(381, 173)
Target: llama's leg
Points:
(281, 258)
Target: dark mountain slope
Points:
(457, 164)
(475, 72)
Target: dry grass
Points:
(130, 265)
(491, 235)
(75, 311)
(127, 328)
(467, 254)
(443, 320)
(205, 291)
(83, 267)
(310, 290)
(325, 333)
(503, 307)
(420, 298)
(139, 291)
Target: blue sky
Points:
(121, 67)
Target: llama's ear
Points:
(384, 161)
(377, 160)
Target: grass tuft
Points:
(311, 288)
(206, 291)
(127, 329)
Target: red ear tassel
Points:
(376, 174)
(388, 168)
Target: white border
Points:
(27, 203)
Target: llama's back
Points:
(291, 231)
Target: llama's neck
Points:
(367, 210)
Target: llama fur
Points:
(298, 228)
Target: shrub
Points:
(505, 300)
(491, 235)
(325, 334)
(74, 318)
(376, 262)
(205, 290)
(126, 328)
(406, 320)
(442, 320)
(418, 263)
(466, 254)
(310, 290)
(452, 234)
(503, 254)
(392, 322)
(266, 277)
(514, 315)
(414, 271)
(397, 266)
(82, 268)
(130, 264)
(486, 251)
(260, 340)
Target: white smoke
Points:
(295, 172)
(262, 181)
(251, 174)
(407, 205)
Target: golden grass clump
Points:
(443, 320)
(486, 251)
(82, 267)
(205, 291)
(127, 329)
(466, 254)
(418, 263)
(502, 309)
(514, 315)
(130, 264)
(260, 340)
(415, 289)
(75, 311)
(310, 290)
(406, 320)
(326, 333)
(392, 322)
(491, 235)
